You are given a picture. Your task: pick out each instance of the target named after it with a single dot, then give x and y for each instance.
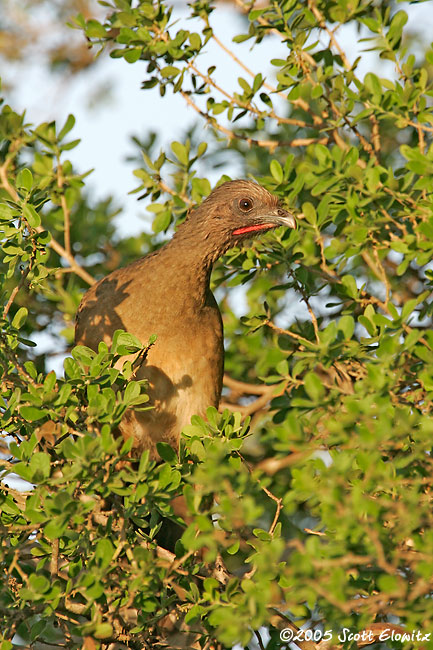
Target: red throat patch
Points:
(246, 229)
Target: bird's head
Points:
(241, 209)
(234, 211)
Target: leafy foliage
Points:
(315, 511)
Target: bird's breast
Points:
(185, 365)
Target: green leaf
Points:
(63, 394)
(104, 552)
(40, 465)
(32, 414)
(388, 583)
(347, 325)
(161, 221)
(103, 631)
(20, 318)
(255, 13)
(369, 325)
(266, 100)
(25, 179)
(31, 216)
(94, 29)
(56, 527)
(195, 41)
(50, 381)
(70, 145)
(408, 308)
(36, 631)
(427, 380)
(68, 126)
(313, 386)
(132, 55)
(125, 343)
(6, 212)
(201, 150)
(39, 583)
(373, 84)
(350, 284)
(276, 171)
(72, 369)
(167, 453)
(132, 391)
(84, 354)
(234, 548)
(170, 71)
(258, 81)
(180, 151)
(396, 27)
(309, 212)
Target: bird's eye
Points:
(245, 205)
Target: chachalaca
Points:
(167, 293)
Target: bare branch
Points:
(272, 145)
(245, 388)
(75, 267)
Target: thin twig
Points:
(314, 532)
(270, 466)
(54, 562)
(375, 133)
(15, 290)
(293, 335)
(279, 502)
(418, 126)
(166, 188)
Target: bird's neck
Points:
(189, 257)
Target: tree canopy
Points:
(309, 494)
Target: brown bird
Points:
(167, 293)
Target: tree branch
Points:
(77, 269)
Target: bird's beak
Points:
(273, 219)
(281, 217)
